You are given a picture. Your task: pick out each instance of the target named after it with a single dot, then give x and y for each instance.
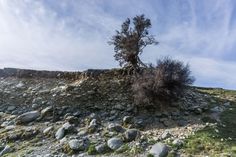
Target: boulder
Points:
(77, 145)
(115, 127)
(11, 108)
(74, 144)
(159, 150)
(102, 148)
(115, 143)
(27, 117)
(132, 134)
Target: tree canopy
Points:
(130, 41)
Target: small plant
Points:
(92, 150)
(150, 155)
(165, 82)
(123, 149)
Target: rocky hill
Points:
(91, 113)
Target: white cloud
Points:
(72, 35)
(215, 73)
(33, 36)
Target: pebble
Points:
(60, 133)
(47, 130)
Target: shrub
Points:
(162, 83)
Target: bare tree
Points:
(130, 42)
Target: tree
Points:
(130, 42)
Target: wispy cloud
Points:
(72, 35)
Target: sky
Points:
(72, 35)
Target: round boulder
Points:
(131, 134)
(114, 143)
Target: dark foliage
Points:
(163, 83)
(130, 41)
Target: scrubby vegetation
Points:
(164, 82)
(152, 84)
(218, 139)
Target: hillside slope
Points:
(92, 112)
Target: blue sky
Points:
(73, 34)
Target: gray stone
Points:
(11, 108)
(75, 144)
(163, 119)
(60, 133)
(94, 116)
(159, 150)
(127, 119)
(48, 155)
(20, 85)
(119, 107)
(27, 117)
(168, 123)
(198, 110)
(35, 106)
(182, 122)
(63, 141)
(93, 122)
(227, 104)
(37, 100)
(72, 120)
(48, 110)
(68, 127)
(82, 133)
(166, 134)
(175, 113)
(132, 134)
(139, 123)
(7, 149)
(178, 142)
(77, 114)
(102, 148)
(114, 143)
(115, 127)
(216, 109)
(15, 112)
(7, 123)
(93, 126)
(81, 144)
(10, 127)
(47, 130)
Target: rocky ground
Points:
(95, 116)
